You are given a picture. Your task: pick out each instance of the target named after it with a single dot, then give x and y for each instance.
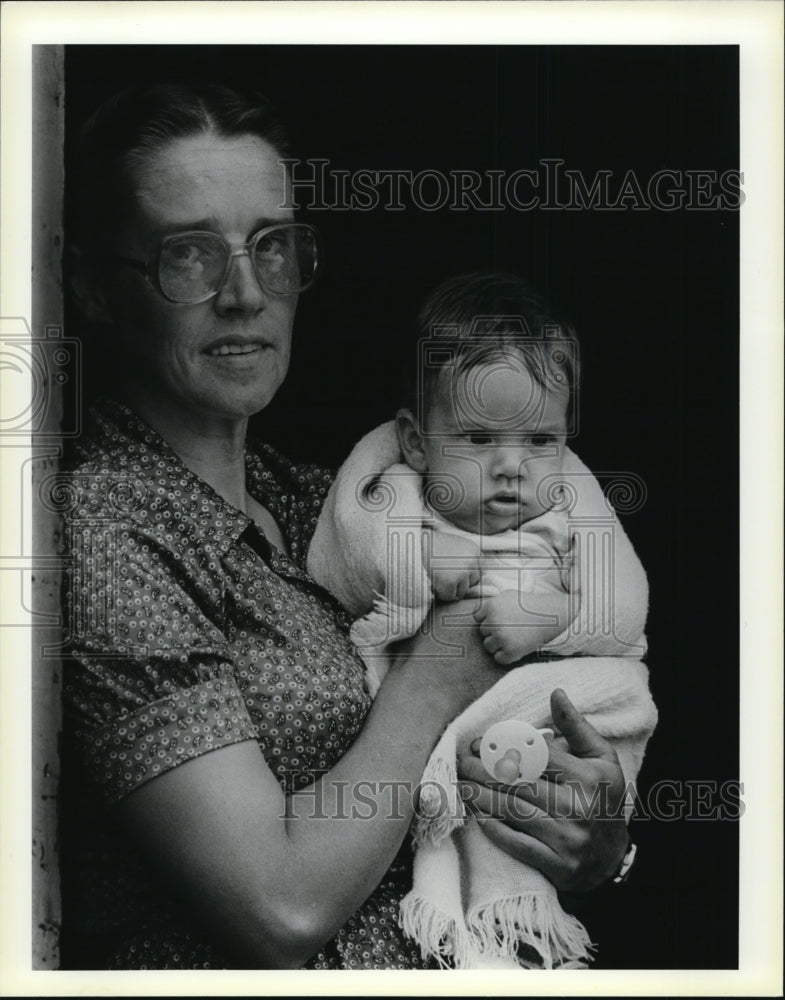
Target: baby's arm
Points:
(513, 624)
(454, 565)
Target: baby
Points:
(486, 431)
(472, 492)
(475, 462)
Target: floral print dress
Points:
(188, 631)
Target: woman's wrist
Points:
(425, 691)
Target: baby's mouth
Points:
(504, 503)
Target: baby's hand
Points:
(454, 566)
(512, 625)
(453, 584)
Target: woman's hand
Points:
(569, 824)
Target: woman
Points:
(216, 714)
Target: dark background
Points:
(654, 298)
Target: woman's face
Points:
(234, 187)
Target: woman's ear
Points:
(411, 441)
(87, 289)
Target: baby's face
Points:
(492, 435)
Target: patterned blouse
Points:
(189, 631)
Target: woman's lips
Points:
(224, 350)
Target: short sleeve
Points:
(149, 682)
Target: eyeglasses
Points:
(192, 267)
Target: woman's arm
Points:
(275, 876)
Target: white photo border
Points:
(756, 27)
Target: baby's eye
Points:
(477, 437)
(541, 440)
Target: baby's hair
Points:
(476, 318)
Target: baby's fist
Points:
(453, 584)
(503, 623)
(454, 566)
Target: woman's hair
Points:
(129, 128)
(475, 318)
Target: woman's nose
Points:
(241, 291)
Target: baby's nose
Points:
(509, 463)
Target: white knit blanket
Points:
(368, 551)
(471, 904)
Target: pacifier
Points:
(514, 751)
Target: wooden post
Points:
(47, 320)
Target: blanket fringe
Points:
(532, 931)
(440, 809)
(372, 635)
(387, 622)
(439, 936)
(536, 920)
